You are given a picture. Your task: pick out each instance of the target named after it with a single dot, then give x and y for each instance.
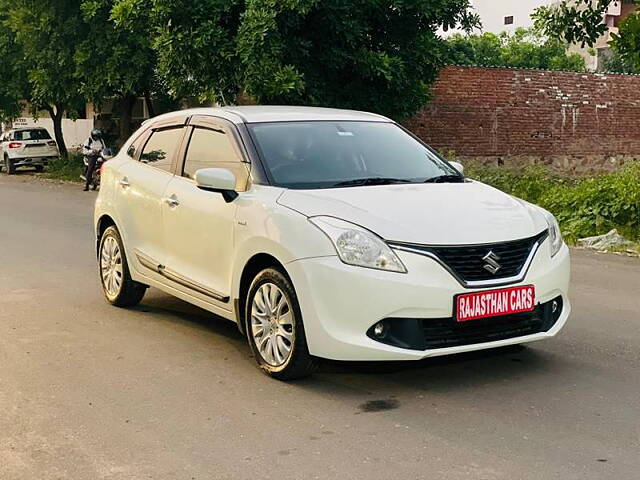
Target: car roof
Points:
(264, 113)
(20, 129)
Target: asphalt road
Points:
(167, 391)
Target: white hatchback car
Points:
(27, 147)
(326, 234)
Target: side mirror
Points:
(218, 180)
(458, 166)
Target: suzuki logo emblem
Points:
(491, 263)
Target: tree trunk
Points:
(126, 112)
(56, 113)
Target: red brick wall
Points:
(573, 120)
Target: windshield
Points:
(323, 154)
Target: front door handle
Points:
(124, 183)
(172, 201)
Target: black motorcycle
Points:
(104, 155)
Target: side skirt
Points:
(175, 277)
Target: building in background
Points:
(499, 16)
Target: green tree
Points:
(616, 64)
(575, 21)
(626, 45)
(580, 21)
(480, 49)
(377, 55)
(195, 43)
(522, 49)
(47, 32)
(14, 85)
(115, 61)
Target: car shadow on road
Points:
(436, 374)
(441, 374)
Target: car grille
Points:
(468, 264)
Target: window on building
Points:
(508, 20)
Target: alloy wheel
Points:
(111, 267)
(272, 325)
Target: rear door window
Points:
(161, 148)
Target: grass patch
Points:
(584, 207)
(69, 168)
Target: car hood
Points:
(435, 214)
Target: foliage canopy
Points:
(378, 55)
(522, 49)
(580, 21)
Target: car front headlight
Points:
(555, 236)
(358, 246)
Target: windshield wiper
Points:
(371, 181)
(445, 179)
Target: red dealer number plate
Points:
(494, 303)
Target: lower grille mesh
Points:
(434, 333)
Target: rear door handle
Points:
(124, 183)
(172, 201)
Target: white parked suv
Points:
(326, 234)
(27, 147)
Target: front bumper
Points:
(340, 303)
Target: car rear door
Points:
(199, 225)
(141, 184)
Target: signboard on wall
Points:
(20, 122)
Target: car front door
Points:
(142, 183)
(198, 224)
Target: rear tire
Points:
(275, 329)
(9, 166)
(118, 286)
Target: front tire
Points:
(118, 287)
(274, 327)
